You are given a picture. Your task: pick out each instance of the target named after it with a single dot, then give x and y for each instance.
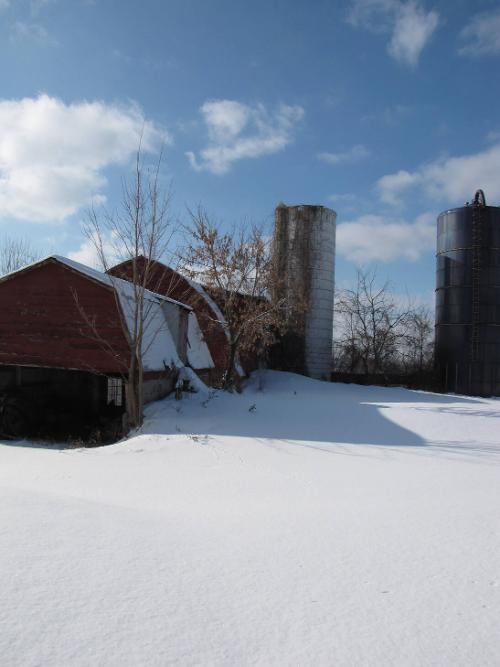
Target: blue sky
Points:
(385, 110)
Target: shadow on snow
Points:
(295, 408)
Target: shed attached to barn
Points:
(208, 349)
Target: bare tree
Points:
(140, 232)
(370, 326)
(237, 270)
(418, 341)
(16, 253)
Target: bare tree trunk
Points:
(134, 410)
(230, 370)
(140, 393)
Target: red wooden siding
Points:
(41, 325)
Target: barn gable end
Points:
(53, 316)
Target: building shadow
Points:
(296, 409)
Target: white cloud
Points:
(452, 179)
(237, 131)
(410, 25)
(88, 254)
(482, 34)
(391, 185)
(52, 154)
(373, 238)
(355, 154)
(225, 119)
(412, 30)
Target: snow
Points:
(198, 353)
(305, 524)
(195, 384)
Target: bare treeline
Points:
(16, 253)
(376, 332)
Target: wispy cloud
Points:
(450, 179)
(347, 197)
(481, 36)
(374, 15)
(355, 154)
(4, 4)
(32, 32)
(412, 30)
(149, 63)
(373, 238)
(408, 23)
(36, 6)
(493, 136)
(391, 115)
(237, 131)
(53, 155)
(347, 202)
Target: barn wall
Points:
(42, 325)
(157, 388)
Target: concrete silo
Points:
(304, 239)
(467, 348)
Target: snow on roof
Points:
(158, 348)
(215, 308)
(198, 353)
(112, 280)
(94, 274)
(219, 315)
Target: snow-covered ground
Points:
(305, 524)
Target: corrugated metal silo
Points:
(305, 247)
(468, 299)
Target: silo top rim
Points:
(305, 206)
(462, 208)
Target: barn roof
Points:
(94, 274)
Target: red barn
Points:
(63, 341)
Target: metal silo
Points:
(468, 298)
(305, 248)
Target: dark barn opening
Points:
(59, 403)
